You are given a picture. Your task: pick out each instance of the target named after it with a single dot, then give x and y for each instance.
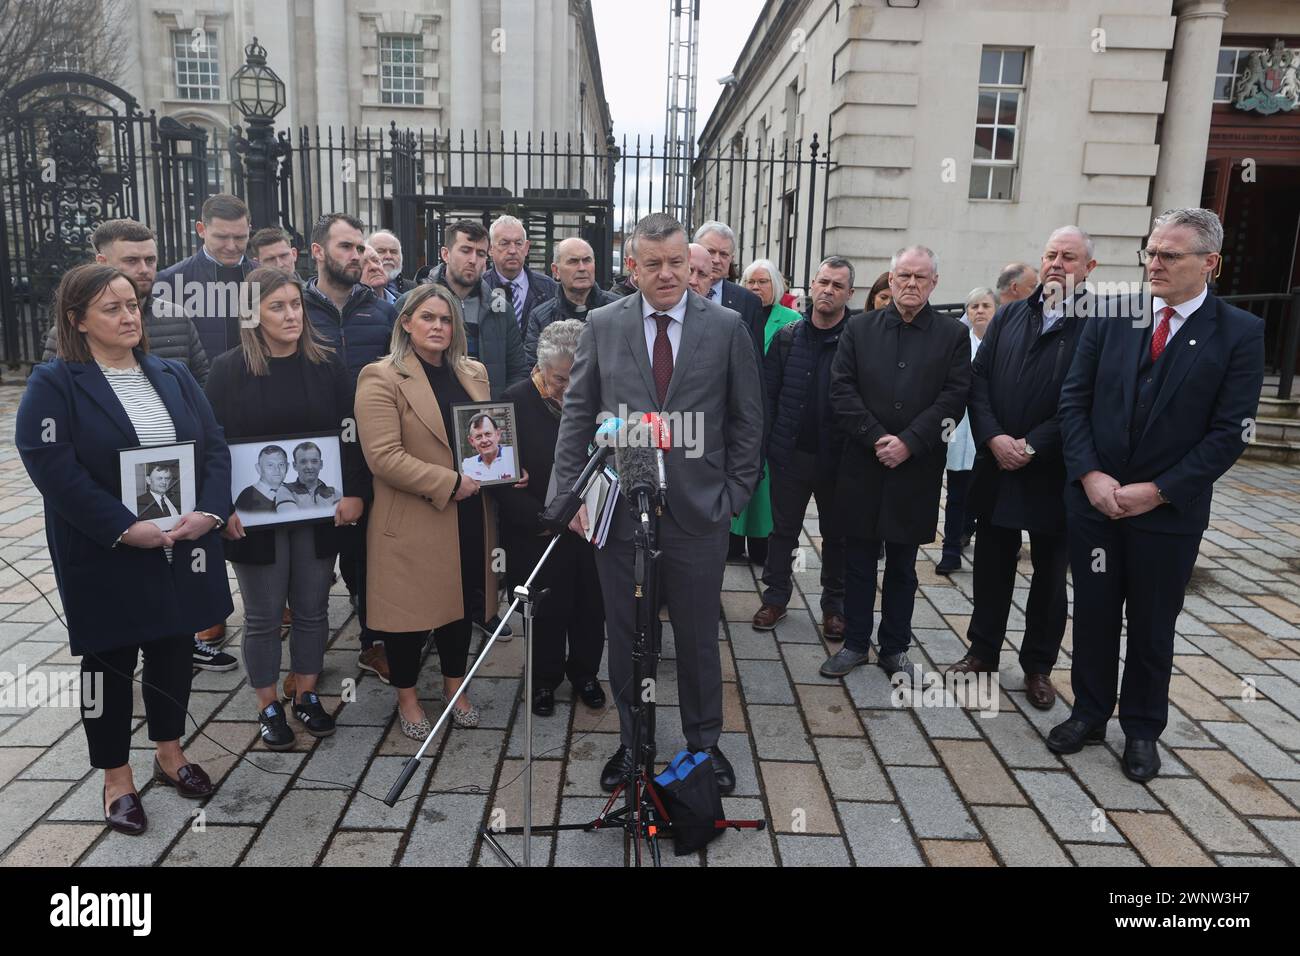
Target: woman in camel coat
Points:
(430, 537)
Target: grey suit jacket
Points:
(714, 402)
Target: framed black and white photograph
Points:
(158, 482)
(486, 442)
(286, 479)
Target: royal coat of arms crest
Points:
(1270, 82)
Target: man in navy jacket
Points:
(1154, 410)
(206, 286)
(524, 288)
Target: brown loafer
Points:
(1039, 690)
(970, 664)
(767, 617)
(126, 815)
(191, 780)
(833, 626)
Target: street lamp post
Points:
(258, 93)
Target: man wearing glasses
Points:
(1152, 412)
(898, 389)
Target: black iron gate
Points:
(76, 150)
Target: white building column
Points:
(331, 35)
(465, 87)
(1186, 132)
(519, 20)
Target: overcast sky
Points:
(633, 40)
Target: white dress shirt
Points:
(678, 313)
(1182, 312)
(164, 504)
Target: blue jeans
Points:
(861, 557)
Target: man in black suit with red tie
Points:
(1158, 404)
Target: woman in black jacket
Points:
(282, 381)
(574, 608)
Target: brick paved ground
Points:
(841, 774)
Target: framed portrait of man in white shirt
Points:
(486, 441)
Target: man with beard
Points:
(130, 247)
(575, 269)
(389, 248)
(358, 325)
(345, 313)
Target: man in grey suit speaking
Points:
(665, 349)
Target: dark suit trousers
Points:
(860, 559)
(1144, 579)
(690, 577)
(106, 685)
(996, 552)
(791, 487)
(956, 522)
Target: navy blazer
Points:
(1198, 422)
(70, 428)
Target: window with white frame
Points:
(401, 69)
(997, 124)
(198, 76)
(1232, 60)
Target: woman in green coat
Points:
(750, 528)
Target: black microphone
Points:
(565, 504)
(638, 476)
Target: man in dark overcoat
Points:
(899, 384)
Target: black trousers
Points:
(956, 522)
(896, 601)
(790, 488)
(106, 698)
(405, 649)
(352, 565)
(1122, 571)
(572, 614)
(996, 552)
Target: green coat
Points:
(756, 520)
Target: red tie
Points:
(1161, 334)
(663, 356)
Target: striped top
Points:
(142, 404)
(140, 400)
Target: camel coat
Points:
(412, 541)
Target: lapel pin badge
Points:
(1192, 342)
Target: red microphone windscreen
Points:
(661, 436)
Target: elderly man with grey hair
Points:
(525, 289)
(1151, 414)
(1015, 282)
(898, 388)
(389, 248)
(718, 238)
(1015, 484)
(574, 268)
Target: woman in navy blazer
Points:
(126, 585)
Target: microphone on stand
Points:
(638, 477)
(662, 440)
(565, 504)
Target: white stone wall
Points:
(902, 108)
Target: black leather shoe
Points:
(543, 702)
(1069, 737)
(592, 694)
(1141, 760)
(722, 769)
(126, 815)
(191, 780)
(616, 769)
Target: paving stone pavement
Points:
(842, 775)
